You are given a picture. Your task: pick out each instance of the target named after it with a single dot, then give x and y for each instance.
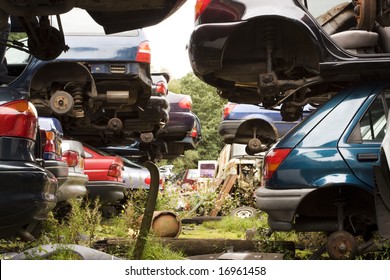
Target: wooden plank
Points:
(225, 190)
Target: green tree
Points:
(208, 106)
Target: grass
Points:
(85, 225)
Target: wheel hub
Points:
(341, 245)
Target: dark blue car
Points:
(256, 126)
(99, 89)
(27, 189)
(319, 176)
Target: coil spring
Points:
(76, 90)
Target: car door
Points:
(360, 144)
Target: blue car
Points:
(319, 176)
(100, 89)
(256, 126)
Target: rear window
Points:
(71, 24)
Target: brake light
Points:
(161, 88)
(194, 133)
(147, 181)
(19, 119)
(143, 52)
(114, 171)
(228, 109)
(200, 6)
(186, 103)
(71, 158)
(272, 161)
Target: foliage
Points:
(16, 36)
(208, 106)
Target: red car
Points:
(105, 176)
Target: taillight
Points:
(114, 171)
(148, 180)
(200, 6)
(272, 161)
(161, 88)
(194, 133)
(18, 119)
(71, 158)
(143, 52)
(228, 109)
(186, 103)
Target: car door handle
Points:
(367, 157)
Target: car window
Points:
(87, 155)
(16, 56)
(373, 123)
(317, 7)
(193, 174)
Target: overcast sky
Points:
(168, 41)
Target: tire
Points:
(244, 212)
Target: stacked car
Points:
(333, 55)
(93, 87)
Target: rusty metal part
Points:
(365, 14)
(61, 102)
(149, 210)
(341, 245)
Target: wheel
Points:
(341, 245)
(254, 146)
(61, 102)
(109, 211)
(244, 212)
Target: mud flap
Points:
(382, 201)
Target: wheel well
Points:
(61, 72)
(264, 129)
(322, 202)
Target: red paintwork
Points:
(97, 166)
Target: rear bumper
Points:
(228, 129)
(73, 188)
(27, 195)
(178, 126)
(59, 169)
(280, 205)
(109, 193)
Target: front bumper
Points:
(280, 205)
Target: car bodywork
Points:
(183, 130)
(100, 89)
(319, 176)
(257, 51)
(136, 176)
(28, 190)
(75, 187)
(105, 180)
(47, 42)
(53, 149)
(241, 123)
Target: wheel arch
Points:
(62, 71)
(322, 201)
(266, 129)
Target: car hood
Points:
(113, 15)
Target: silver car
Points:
(75, 186)
(136, 176)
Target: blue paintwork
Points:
(242, 112)
(321, 154)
